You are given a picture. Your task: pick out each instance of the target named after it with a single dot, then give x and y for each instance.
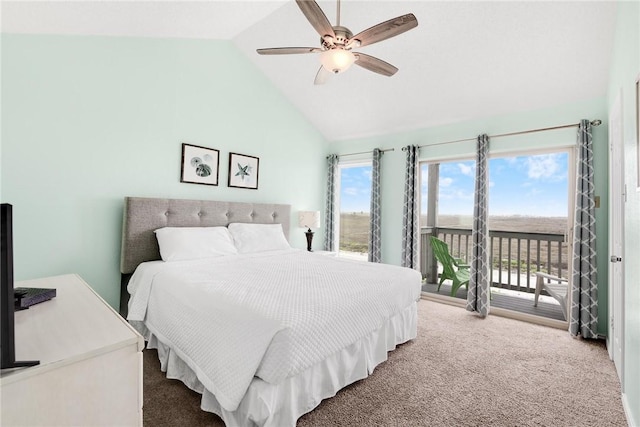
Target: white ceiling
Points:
(464, 61)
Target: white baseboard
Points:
(627, 411)
(457, 302)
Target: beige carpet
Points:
(460, 371)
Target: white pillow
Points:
(183, 243)
(250, 238)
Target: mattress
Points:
(271, 319)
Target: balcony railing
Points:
(514, 256)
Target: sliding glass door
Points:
(529, 219)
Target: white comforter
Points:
(270, 315)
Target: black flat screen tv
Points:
(7, 301)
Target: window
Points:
(520, 187)
(454, 195)
(354, 200)
(528, 213)
(533, 186)
(529, 195)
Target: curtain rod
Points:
(364, 152)
(593, 123)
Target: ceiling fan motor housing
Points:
(343, 35)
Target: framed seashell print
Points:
(199, 165)
(243, 171)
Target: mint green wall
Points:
(624, 72)
(393, 165)
(90, 120)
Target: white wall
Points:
(624, 72)
(87, 121)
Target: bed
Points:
(263, 335)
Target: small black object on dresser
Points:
(26, 297)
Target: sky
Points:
(524, 185)
(355, 189)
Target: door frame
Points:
(617, 196)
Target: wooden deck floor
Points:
(550, 310)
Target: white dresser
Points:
(90, 370)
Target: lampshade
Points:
(309, 219)
(337, 60)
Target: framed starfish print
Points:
(243, 171)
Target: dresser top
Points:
(77, 324)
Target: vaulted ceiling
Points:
(464, 61)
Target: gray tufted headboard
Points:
(144, 215)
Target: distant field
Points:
(525, 224)
(354, 232)
(355, 225)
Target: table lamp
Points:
(309, 220)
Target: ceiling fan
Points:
(337, 42)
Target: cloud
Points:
(445, 181)
(351, 191)
(511, 161)
(534, 192)
(545, 166)
(466, 169)
(456, 193)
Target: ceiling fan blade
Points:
(374, 64)
(287, 50)
(316, 17)
(322, 76)
(384, 30)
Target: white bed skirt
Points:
(282, 404)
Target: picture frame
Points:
(243, 171)
(199, 165)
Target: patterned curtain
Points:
(583, 316)
(410, 218)
(374, 229)
(480, 279)
(330, 209)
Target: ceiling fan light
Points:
(337, 60)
